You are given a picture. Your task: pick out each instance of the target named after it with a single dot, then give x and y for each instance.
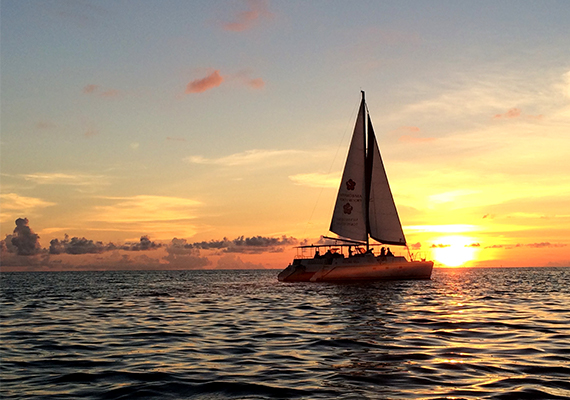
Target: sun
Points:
(454, 251)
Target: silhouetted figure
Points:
(389, 253)
(382, 252)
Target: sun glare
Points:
(454, 251)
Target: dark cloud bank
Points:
(180, 253)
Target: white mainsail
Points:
(349, 215)
(358, 213)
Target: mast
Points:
(367, 171)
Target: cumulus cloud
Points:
(24, 240)
(82, 245)
(78, 246)
(257, 10)
(249, 245)
(144, 244)
(182, 254)
(231, 261)
(209, 82)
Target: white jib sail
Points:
(349, 215)
(384, 221)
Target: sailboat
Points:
(364, 209)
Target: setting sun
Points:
(454, 251)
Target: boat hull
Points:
(356, 269)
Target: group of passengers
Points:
(330, 254)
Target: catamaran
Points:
(364, 209)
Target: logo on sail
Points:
(350, 184)
(347, 208)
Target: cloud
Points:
(532, 245)
(257, 10)
(88, 89)
(517, 113)
(249, 245)
(231, 261)
(249, 157)
(78, 246)
(317, 180)
(182, 254)
(145, 208)
(82, 245)
(96, 90)
(58, 178)
(215, 79)
(546, 244)
(144, 244)
(512, 113)
(244, 78)
(24, 240)
(13, 203)
(201, 85)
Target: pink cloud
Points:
(512, 113)
(409, 128)
(96, 90)
(90, 88)
(244, 78)
(256, 83)
(244, 20)
(201, 85)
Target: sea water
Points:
(467, 333)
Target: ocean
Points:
(465, 334)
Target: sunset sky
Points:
(227, 123)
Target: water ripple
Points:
(471, 334)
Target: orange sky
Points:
(215, 121)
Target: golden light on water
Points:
(455, 250)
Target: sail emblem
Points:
(347, 208)
(350, 184)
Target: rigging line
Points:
(347, 126)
